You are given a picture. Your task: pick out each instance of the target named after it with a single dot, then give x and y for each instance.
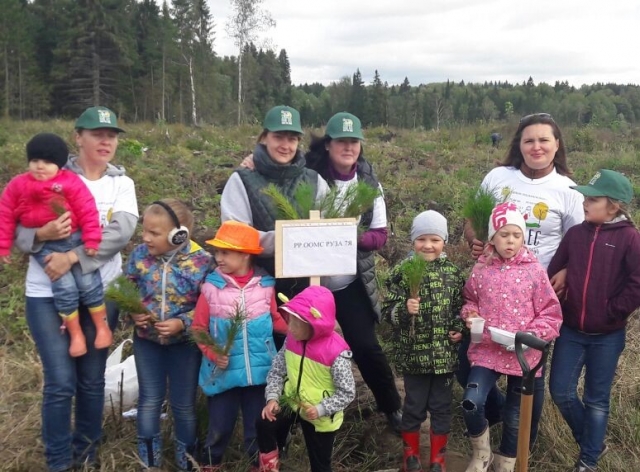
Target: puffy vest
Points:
(309, 375)
(253, 348)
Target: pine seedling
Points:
(203, 337)
(124, 293)
(57, 206)
(352, 203)
(285, 209)
(286, 403)
(412, 274)
(477, 209)
(305, 199)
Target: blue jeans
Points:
(598, 355)
(179, 364)
(74, 286)
(64, 377)
(496, 399)
(481, 381)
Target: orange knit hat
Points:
(236, 236)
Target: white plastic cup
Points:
(477, 327)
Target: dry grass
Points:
(419, 169)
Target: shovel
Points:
(526, 396)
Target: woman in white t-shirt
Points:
(534, 176)
(68, 446)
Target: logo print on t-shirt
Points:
(540, 211)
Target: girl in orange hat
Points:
(237, 298)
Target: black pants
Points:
(272, 435)
(358, 322)
(427, 393)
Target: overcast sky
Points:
(580, 41)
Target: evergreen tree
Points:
(358, 99)
(377, 112)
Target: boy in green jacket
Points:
(423, 305)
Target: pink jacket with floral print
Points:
(514, 295)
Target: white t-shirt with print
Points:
(550, 207)
(112, 194)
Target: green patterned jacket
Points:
(429, 350)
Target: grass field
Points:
(418, 169)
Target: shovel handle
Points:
(526, 397)
(528, 373)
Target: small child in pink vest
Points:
(236, 380)
(310, 381)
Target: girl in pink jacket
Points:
(509, 289)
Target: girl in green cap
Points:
(602, 261)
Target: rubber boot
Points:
(503, 463)
(438, 450)
(78, 343)
(269, 461)
(411, 452)
(104, 336)
(482, 455)
(185, 456)
(150, 451)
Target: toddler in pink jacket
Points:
(510, 289)
(46, 192)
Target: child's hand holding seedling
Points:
(222, 362)
(142, 320)
(413, 306)
(270, 411)
(310, 412)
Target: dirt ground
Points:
(390, 443)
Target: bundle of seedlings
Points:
(236, 321)
(477, 210)
(350, 202)
(57, 205)
(124, 293)
(303, 202)
(413, 270)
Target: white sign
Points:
(309, 248)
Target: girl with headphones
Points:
(168, 269)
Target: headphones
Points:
(178, 235)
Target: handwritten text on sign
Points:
(317, 248)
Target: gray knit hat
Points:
(429, 222)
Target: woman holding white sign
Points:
(338, 157)
(276, 160)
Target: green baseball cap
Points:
(98, 117)
(283, 118)
(608, 183)
(344, 125)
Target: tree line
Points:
(153, 62)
